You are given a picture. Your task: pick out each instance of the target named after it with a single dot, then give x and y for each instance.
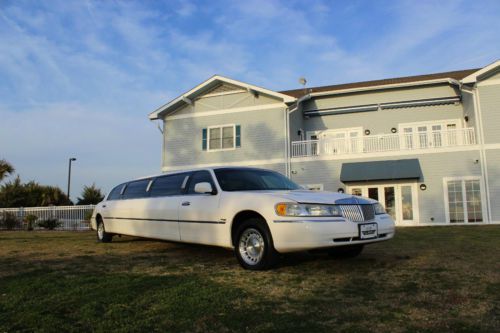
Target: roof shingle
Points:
(457, 75)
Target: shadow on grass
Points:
(72, 300)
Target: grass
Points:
(435, 279)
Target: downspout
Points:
(482, 153)
(287, 142)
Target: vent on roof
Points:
(222, 89)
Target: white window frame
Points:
(464, 193)
(397, 191)
(221, 138)
(347, 137)
(457, 121)
(429, 139)
(333, 131)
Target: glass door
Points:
(399, 200)
(390, 201)
(407, 194)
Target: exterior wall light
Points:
(466, 118)
(393, 130)
(423, 187)
(367, 132)
(340, 190)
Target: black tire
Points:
(102, 235)
(254, 246)
(345, 252)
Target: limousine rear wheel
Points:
(102, 235)
(254, 246)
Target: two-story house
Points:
(427, 146)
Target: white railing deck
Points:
(69, 217)
(384, 143)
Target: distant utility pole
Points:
(72, 159)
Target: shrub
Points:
(9, 221)
(88, 215)
(49, 224)
(30, 221)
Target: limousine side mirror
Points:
(205, 188)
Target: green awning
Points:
(381, 170)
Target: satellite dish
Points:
(302, 81)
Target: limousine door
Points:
(161, 210)
(199, 220)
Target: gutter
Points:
(379, 87)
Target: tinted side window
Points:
(115, 194)
(167, 185)
(199, 177)
(136, 189)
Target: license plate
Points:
(368, 230)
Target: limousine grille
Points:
(358, 213)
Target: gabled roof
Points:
(207, 86)
(455, 75)
(473, 77)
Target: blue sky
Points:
(78, 78)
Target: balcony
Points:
(384, 143)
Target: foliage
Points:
(5, 169)
(49, 224)
(9, 221)
(88, 215)
(30, 221)
(15, 193)
(91, 195)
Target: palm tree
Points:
(91, 195)
(5, 169)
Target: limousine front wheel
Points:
(254, 247)
(102, 235)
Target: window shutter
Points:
(204, 139)
(238, 136)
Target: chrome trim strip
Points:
(162, 220)
(309, 221)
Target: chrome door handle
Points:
(186, 203)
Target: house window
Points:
(223, 137)
(463, 197)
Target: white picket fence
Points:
(69, 217)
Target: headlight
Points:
(379, 209)
(295, 209)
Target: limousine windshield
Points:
(253, 180)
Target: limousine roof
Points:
(198, 169)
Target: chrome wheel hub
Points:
(251, 246)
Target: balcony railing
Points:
(384, 143)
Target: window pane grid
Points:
(464, 201)
(215, 138)
(221, 137)
(473, 196)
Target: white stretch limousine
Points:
(258, 212)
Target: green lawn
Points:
(431, 279)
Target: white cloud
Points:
(81, 77)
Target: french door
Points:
(341, 141)
(399, 200)
(428, 135)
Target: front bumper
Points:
(298, 234)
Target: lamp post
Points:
(72, 159)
